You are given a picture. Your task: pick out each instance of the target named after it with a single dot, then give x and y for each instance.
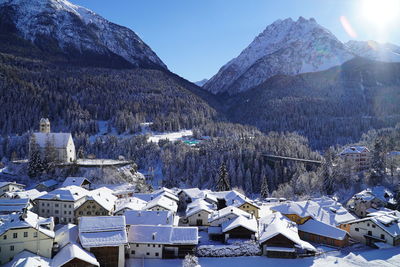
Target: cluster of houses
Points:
(75, 224)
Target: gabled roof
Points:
(192, 193)
(322, 229)
(28, 259)
(66, 234)
(70, 193)
(73, 251)
(379, 192)
(2, 184)
(275, 224)
(132, 203)
(78, 181)
(227, 211)
(168, 235)
(387, 221)
(49, 183)
(163, 202)
(322, 209)
(60, 139)
(32, 220)
(103, 196)
(149, 217)
(13, 205)
(241, 221)
(197, 206)
(32, 194)
(354, 150)
(102, 231)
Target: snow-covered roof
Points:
(238, 200)
(66, 234)
(2, 184)
(227, 211)
(13, 205)
(49, 183)
(354, 150)
(73, 251)
(322, 209)
(32, 220)
(103, 196)
(78, 181)
(192, 193)
(322, 229)
(70, 193)
(59, 140)
(387, 221)
(163, 235)
(32, 194)
(379, 192)
(160, 192)
(275, 224)
(102, 231)
(240, 221)
(131, 203)
(28, 259)
(163, 202)
(149, 217)
(197, 206)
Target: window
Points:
(48, 204)
(69, 220)
(80, 213)
(5, 237)
(65, 205)
(154, 246)
(132, 252)
(370, 233)
(15, 235)
(382, 236)
(156, 254)
(137, 245)
(65, 212)
(69, 212)
(198, 215)
(148, 245)
(35, 234)
(42, 204)
(25, 234)
(43, 210)
(56, 211)
(159, 246)
(373, 226)
(357, 230)
(70, 206)
(89, 213)
(56, 205)
(147, 253)
(12, 248)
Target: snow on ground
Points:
(173, 136)
(367, 257)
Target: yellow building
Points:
(28, 232)
(250, 208)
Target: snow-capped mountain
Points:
(284, 47)
(375, 51)
(69, 27)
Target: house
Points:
(32, 194)
(62, 143)
(47, 185)
(105, 237)
(97, 202)
(146, 241)
(279, 238)
(131, 203)
(371, 200)
(242, 202)
(197, 213)
(228, 213)
(78, 181)
(73, 255)
(26, 231)
(10, 187)
(8, 206)
(28, 259)
(61, 203)
(162, 202)
(149, 217)
(357, 156)
(318, 213)
(124, 193)
(378, 230)
(241, 227)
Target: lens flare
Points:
(380, 13)
(347, 27)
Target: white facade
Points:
(149, 251)
(62, 211)
(199, 218)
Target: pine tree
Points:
(378, 164)
(35, 167)
(50, 155)
(223, 183)
(264, 187)
(327, 173)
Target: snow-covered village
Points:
(199, 133)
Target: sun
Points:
(380, 13)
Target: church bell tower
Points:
(44, 125)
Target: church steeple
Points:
(44, 125)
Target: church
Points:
(62, 142)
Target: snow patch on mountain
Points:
(374, 50)
(284, 47)
(201, 83)
(76, 26)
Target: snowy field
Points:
(368, 257)
(173, 136)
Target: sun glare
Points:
(380, 13)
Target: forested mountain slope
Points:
(330, 107)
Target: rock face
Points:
(60, 25)
(375, 51)
(284, 47)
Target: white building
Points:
(62, 142)
(359, 157)
(197, 212)
(10, 187)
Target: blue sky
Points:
(196, 37)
